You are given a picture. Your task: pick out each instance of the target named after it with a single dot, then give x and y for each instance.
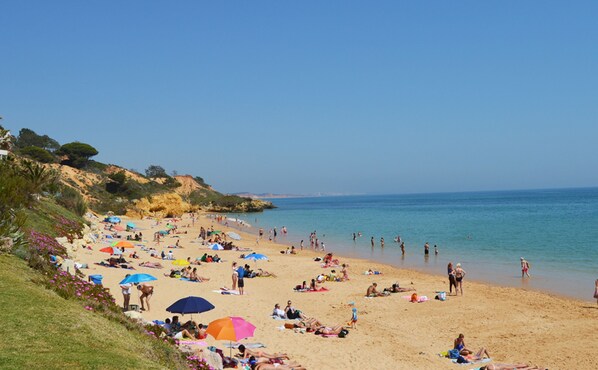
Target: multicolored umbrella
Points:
(230, 328)
(123, 244)
(216, 247)
(111, 250)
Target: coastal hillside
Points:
(111, 188)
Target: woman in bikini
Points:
(459, 275)
(235, 276)
(452, 280)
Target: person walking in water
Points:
(403, 248)
(426, 249)
(382, 242)
(524, 268)
(372, 241)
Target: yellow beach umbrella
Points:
(180, 262)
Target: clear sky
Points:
(314, 96)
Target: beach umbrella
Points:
(123, 244)
(131, 225)
(256, 257)
(216, 247)
(112, 219)
(230, 328)
(233, 235)
(163, 232)
(180, 262)
(216, 232)
(111, 250)
(190, 305)
(138, 278)
(118, 228)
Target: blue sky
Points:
(305, 97)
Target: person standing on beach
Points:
(301, 244)
(235, 276)
(459, 275)
(596, 291)
(451, 276)
(241, 281)
(146, 292)
(126, 290)
(426, 249)
(524, 268)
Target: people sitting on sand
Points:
(134, 255)
(302, 287)
(173, 274)
(459, 344)
(194, 277)
(395, 288)
(313, 285)
(293, 313)
(278, 313)
(373, 291)
(345, 272)
(153, 265)
(186, 272)
(264, 273)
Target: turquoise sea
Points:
(487, 232)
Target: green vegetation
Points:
(37, 153)
(42, 217)
(154, 171)
(41, 330)
(28, 138)
(77, 154)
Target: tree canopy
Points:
(28, 138)
(154, 171)
(77, 154)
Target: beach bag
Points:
(453, 353)
(442, 296)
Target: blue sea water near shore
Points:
(487, 232)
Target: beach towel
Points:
(322, 289)
(247, 345)
(200, 343)
(231, 292)
(191, 281)
(482, 361)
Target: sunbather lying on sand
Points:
(335, 330)
(246, 353)
(153, 265)
(395, 288)
(263, 363)
(263, 273)
(496, 366)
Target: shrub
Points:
(71, 199)
(68, 228)
(37, 153)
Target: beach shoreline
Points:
(514, 324)
(330, 247)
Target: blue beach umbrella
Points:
(216, 247)
(138, 278)
(113, 219)
(131, 225)
(233, 235)
(256, 257)
(190, 305)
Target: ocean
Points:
(487, 232)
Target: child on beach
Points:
(353, 321)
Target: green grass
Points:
(41, 217)
(41, 330)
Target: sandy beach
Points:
(514, 325)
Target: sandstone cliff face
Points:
(161, 205)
